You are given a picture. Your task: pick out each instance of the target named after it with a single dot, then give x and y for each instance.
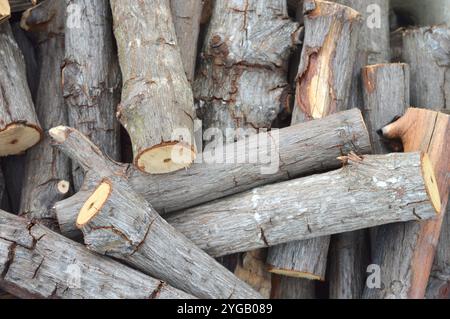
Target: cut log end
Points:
(94, 204)
(17, 138)
(431, 183)
(294, 273)
(63, 187)
(165, 158)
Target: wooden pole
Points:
(294, 151)
(91, 77)
(157, 107)
(36, 262)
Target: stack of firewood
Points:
(224, 149)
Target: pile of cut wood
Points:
(224, 149)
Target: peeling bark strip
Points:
(301, 149)
(5, 10)
(46, 168)
(91, 77)
(156, 97)
(242, 75)
(405, 252)
(38, 263)
(21, 5)
(326, 65)
(19, 126)
(323, 84)
(395, 185)
(186, 18)
(427, 52)
(117, 222)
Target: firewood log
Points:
(157, 106)
(91, 77)
(323, 87)
(301, 149)
(36, 262)
(405, 252)
(5, 10)
(47, 171)
(19, 125)
(186, 18)
(118, 222)
(284, 287)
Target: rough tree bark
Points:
(36, 262)
(117, 222)
(157, 107)
(91, 77)
(5, 10)
(323, 87)
(395, 185)
(427, 51)
(294, 151)
(386, 95)
(186, 18)
(405, 252)
(47, 170)
(19, 125)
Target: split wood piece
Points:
(91, 77)
(405, 252)
(241, 81)
(5, 10)
(373, 44)
(46, 169)
(323, 88)
(186, 18)
(19, 125)
(117, 222)
(157, 107)
(36, 262)
(399, 187)
(284, 287)
(21, 5)
(288, 153)
(427, 51)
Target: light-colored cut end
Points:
(165, 158)
(431, 183)
(59, 133)
(294, 273)
(5, 10)
(17, 138)
(63, 187)
(94, 204)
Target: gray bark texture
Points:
(427, 51)
(323, 87)
(125, 226)
(313, 206)
(19, 125)
(299, 150)
(186, 18)
(241, 81)
(405, 252)
(91, 77)
(45, 166)
(156, 96)
(36, 262)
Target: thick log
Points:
(284, 287)
(395, 185)
(427, 52)
(91, 77)
(242, 78)
(5, 10)
(117, 222)
(36, 262)
(19, 125)
(298, 150)
(47, 170)
(405, 252)
(323, 88)
(22, 5)
(157, 107)
(186, 18)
